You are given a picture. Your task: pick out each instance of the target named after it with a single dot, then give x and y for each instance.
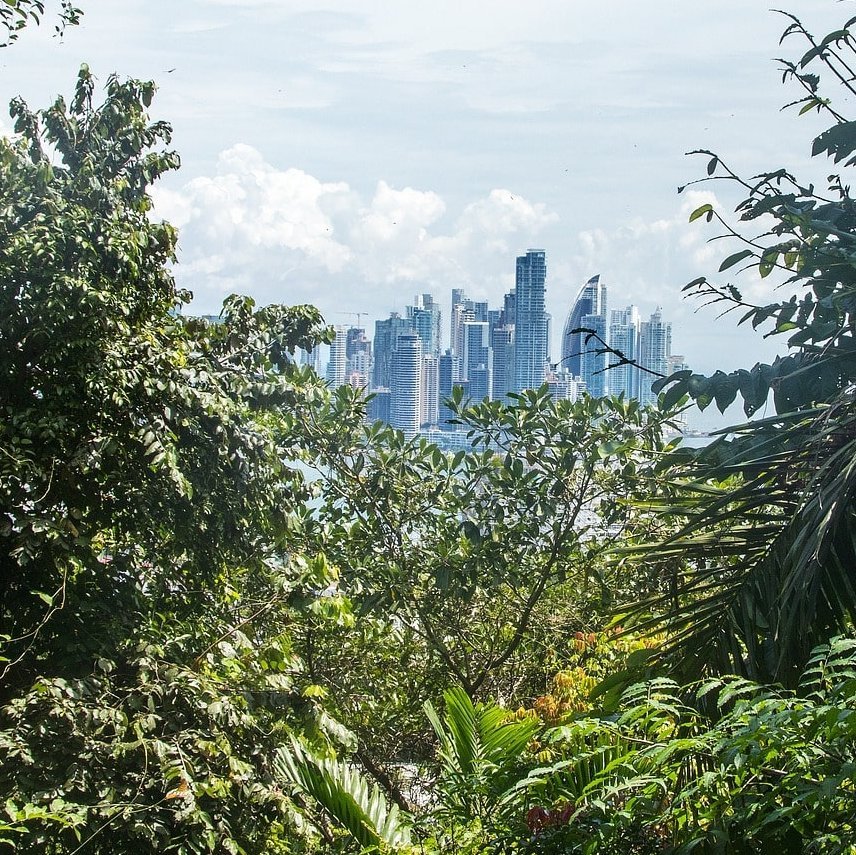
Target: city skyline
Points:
(353, 156)
(494, 351)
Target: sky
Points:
(354, 153)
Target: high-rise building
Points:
(478, 381)
(358, 355)
(312, 358)
(429, 391)
(424, 318)
(590, 301)
(359, 370)
(476, 346)
(378, 409)
(563, 385)
(460, 313)
(356, 342)
(594, 359)
(449, 376)
(476, 358)
(624, 338)
(677, 362)
(530, 325)
(502, 361)
(655, 349)
(337, 364)
(405, 388)
(387, 333)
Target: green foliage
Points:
(770, 770)
(480, 752)
(146, 499)
(755, 533)
(345, 795)
(140, 451)
(17, 14)
(765, 769)
(473, 568)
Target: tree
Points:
(472, 568)
(16, 14)
(762, 538)
(146, 493)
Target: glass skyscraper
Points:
(590, 301)
(387, 333)
(406, 385)
(530, 325)
(624, 337)
(424, 318)
(655, 350)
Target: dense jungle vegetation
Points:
(204, 650)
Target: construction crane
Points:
(357, 315)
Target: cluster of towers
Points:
(595, 356)
(495, 351)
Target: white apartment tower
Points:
(406, 385)
(655, 350)
(338, 363)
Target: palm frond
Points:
(761, 567)
(480, 750)
(345, 795)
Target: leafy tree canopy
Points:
(757, 532)
(146, 584)
(16, 14)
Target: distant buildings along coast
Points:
(490, 352)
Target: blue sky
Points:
(352, 153)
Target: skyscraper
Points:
(502, 361)
(590, 301)
(406, 384)
(530, 325)
(337, 364)
(424, 317)
(312, 358)
(461, 312)
(386, 337)
(429, 391)
(358, 353)
(624, 337)
(655, 349)
(449, 376)
(594, 359)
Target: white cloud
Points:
(284, 235)
(251, 226)
(249, 206)
(396, 214)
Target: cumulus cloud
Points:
(648, 263)
(284, 235)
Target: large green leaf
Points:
(345, 795)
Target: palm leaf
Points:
(763, 566)
(480, 749)
(345, 795)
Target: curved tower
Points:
(590, 301)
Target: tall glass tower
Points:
(530, 325)
(593, 360)
(386, 337)
(624, 337)
(424, 317)
(655, 351)
(406, 385)
(590, 301)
